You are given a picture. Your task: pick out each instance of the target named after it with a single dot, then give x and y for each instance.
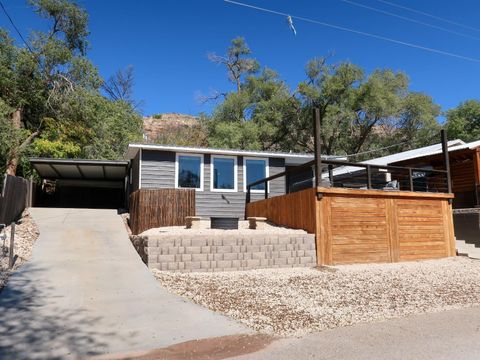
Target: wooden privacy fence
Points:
(150, 208)
(17, 194)
(363, 226)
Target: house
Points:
(218, 176)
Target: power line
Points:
(409, 19)
(15, 27)
(429, 15)
(358, 32)
(379, 149)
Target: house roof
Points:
(292, 158)
(404, 155)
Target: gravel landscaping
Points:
(26, 233)
(298, 301)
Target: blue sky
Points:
(167, 43)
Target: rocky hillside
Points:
(155, 126)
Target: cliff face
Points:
(154, 128)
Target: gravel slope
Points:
(299, 301)
(26, 233)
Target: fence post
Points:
(266, 189)
(10, 253)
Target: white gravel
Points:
(297, 301)
(26, 233)
(242, 229)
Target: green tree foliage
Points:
(50, 100)
(358, 112)
(463, 122)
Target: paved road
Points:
(446, 335)
(85, 292)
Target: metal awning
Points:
(79, 169)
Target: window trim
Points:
(267, 172)
(235, 173)
(202, 161)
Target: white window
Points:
(223, 173)
(254, 169)
(189, 171)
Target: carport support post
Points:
(317, 140)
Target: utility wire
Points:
(429, 15)
(358, 32)
(409, 19)
(379, 149)
(15, 27)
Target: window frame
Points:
(235, 173)
(202, 161)
(267, 174)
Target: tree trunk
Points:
(14, 155)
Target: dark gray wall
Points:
(135, 172)
(158, 171)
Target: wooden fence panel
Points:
(151, 208)
(365, 226)
(16, 195)
(295, 210)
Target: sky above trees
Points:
(167, 44)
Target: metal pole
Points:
(317, 140)
(266, 189)
(446, 159)
(330, 174)
(410, 178)
(369, 177)
(12, 239)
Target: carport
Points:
(78, 183)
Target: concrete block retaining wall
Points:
(226, 252)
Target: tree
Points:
(236, 62)
(120, 87)
(49, 87)
(463, 122)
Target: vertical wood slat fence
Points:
(151, 208)
(17, 194)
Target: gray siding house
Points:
(218, 176)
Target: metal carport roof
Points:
(80, 169)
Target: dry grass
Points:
(26, 233)
(300, 301)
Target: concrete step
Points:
(466, 249)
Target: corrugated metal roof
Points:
(405, 155)
(80, 169)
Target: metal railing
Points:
(373, 176)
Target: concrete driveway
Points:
(85, 292)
